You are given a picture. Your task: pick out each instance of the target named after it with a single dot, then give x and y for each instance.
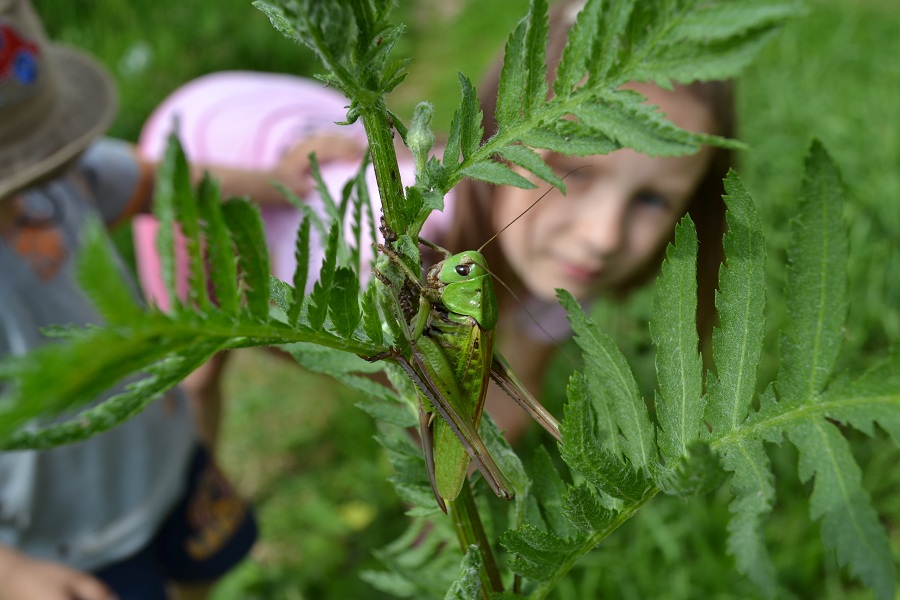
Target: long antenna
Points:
(533, 318)
(522, 214)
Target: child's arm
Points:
(26, 578)
(293, 170)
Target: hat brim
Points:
(83, 112)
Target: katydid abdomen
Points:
(468, 349)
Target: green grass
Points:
(298, 447)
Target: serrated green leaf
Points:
(279, 20)
(301, 273)
(680, 402)
(874, 397)
(423, 561)
(219, 249)
(188, 215)
(585, 512)
(465, 129)
(753, 488)
(116, 409)
(282, 294)
(702, 61)
(100, 274)
(343, 303)
(535, 93)
(505, 457)
(723, 20)
(468, 585)
(628, 119)
(496, 173)
(540, 553)
(371, 317)
(512, 79)
(531, 161)
(697, 472)
(584, 452)
(169, 178)
(549, 489)
(246, 227)
(606, 52)
(850, 525)
(570, 138)
(612, 385)
(816, 293)
(740, 303)
(470, 129)
(318, 307)
(393, 413)
(105, 357)
(579, 44)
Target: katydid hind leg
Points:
(464, 431)
(504, 376)
(427, 434)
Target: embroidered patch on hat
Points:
(19, 70)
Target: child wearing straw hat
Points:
(141, 508)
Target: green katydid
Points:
(453, 357)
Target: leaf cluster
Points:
(701, 436)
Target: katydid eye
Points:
(463, 270)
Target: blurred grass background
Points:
(295, 443)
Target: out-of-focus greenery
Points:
(297, 446)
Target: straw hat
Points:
(54, 100)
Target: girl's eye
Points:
(651, 199)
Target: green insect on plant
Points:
(452, 361)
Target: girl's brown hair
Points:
(472, 215)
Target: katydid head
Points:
(463, 282)
(465, 286)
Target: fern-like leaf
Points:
(740, 303)
(246, 227)
(468, 586)
(100, 275)
(613, 388)
(680, 403)
(817, 255)
(219, 247)
(583, 450)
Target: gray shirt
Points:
(95, 502)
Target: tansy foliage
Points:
(619, 454)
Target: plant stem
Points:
(470, 531)
(380, 132)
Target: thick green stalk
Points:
(380, 132)
(470, 531)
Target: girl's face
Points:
(618, 214)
